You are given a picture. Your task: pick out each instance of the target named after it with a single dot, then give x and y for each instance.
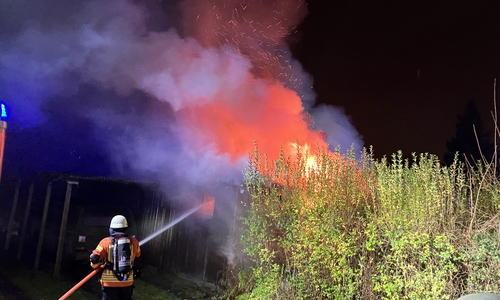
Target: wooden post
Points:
(12, 214)
(25, 221)
(42, 226)
(62, 232)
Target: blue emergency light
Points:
(3, 112)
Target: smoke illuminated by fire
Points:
(272, 113)
(172, 102)
(231, 125)
(210, 87)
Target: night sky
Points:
(403, 70)
(85, 96)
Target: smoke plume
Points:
(186, 101)
(156, 96)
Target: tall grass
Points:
(347, 228)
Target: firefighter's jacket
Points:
(105, 251)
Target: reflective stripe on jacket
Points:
(105, 251)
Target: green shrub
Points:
(346, 228)
(482, 260)
(416, 266)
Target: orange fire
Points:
(269, 114)
(305, 151)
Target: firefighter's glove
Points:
(137, 273)
(108, 265)
(95, 259)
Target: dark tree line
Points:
(472, 141)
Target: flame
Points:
(269, 114)
(310, 158)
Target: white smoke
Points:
(338, 128)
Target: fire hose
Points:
(79, 284)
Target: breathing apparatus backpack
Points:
(122, 257)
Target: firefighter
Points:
(117, 254)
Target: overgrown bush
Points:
(410, 232)
(481, 258)
(337, 227)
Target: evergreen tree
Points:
(470, 132)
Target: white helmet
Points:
(118, 222)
